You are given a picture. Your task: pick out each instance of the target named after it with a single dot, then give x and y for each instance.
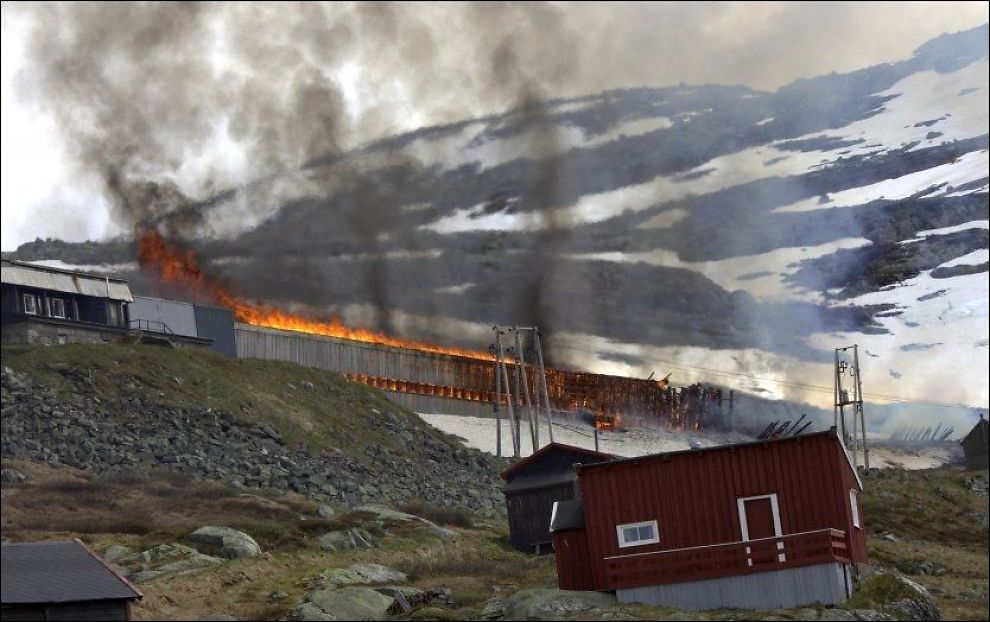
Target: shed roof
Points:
(543, 451)
(59, 280)
(979, 431)
(831, 434)
(59, 572)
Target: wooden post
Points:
(543, 376)
(498, 393)
(859, 398)
(534, 433)
(508, 399)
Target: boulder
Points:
(165, 559)
(547, 604)
(324, 511)
(916, 603)
(349, 603)
(345, 539)
(224, 541)
(363, 574)
(115, 552)
(385, 514)
(893, 595)
(12, 476)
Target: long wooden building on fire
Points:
(432, 382)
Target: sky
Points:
(400, 66)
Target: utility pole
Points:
(850, 396)
(496, 405)
(533, 397)
(534, 432)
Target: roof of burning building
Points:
(60, 280)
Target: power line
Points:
(810, 387)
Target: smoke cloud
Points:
(167, 103)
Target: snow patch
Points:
(735, 273)
(968, 167)
(969, 259)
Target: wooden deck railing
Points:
(729, 559)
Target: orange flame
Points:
(178, 266)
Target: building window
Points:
(854, 504)
(638, 534)
(58, 308)
(113, 314)
(30, 304)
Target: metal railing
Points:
(729, 559)
(151, 326)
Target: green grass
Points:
(334, 414)
(936, 521)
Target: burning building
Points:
(427, 377)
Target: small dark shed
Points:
(532, 487)
(975, 445)
(62, 581)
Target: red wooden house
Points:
(768, 524)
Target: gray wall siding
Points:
(217, 324)
(828, 584)
(344, 356)
(349, 357)
(180, 317)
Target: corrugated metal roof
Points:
(54, 279)
(58, 572)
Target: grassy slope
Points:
(338, 414)
(934, 518)
(76, 504)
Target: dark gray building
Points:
(185, 323)
(532, 487)
(61, 581)
(975, 445)
(46, 305)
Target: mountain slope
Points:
(710, 226)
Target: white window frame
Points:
(854, 504)
(34, 304)
(56, 302)
(622, 538)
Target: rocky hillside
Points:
(204, 550)
(249, 424)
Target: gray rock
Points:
(385, 514)
(838, 615)
(324, 511)
(346, 539)
(115, 552)
(349, 603)
(224, 541)
(870, 615)
(544, 604)
(363, 574)
(12, 476)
